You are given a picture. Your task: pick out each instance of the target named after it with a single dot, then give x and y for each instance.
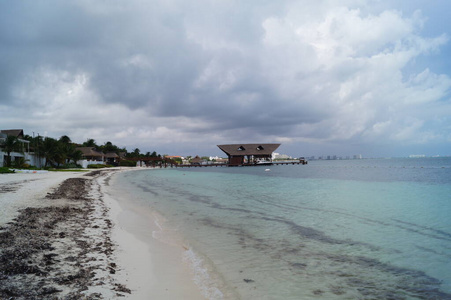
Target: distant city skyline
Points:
(180, 77)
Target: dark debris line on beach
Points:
(62, 251)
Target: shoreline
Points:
(174, 259)
(67, 236)
(157, 266)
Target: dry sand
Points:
(66, 236)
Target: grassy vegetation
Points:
(127, 163)
(67, 170)
(98, 166)
(4, 170)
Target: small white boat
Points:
(263, 162)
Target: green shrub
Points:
(4, 170)
(20, 163)
(97, 166)
(127, 163)
(32, 168)
(71, 166)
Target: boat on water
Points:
(263, 162)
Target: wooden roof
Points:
(248, 149)
(111, 155)
(197, 159)
(90, 152)
(13, 132)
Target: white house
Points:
(29, 157)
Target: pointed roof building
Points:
(238, 152)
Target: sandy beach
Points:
(68, 235)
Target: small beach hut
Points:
(196, 160)
(91, 154)
(111, 158)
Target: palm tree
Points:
(75, 155)
(11, 144)
(90, 143)
(64, 150)
(110, 147)
(20, 163)
(51, 151)
(37, 148)
(65, 139)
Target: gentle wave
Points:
(202, 277)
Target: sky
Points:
(180, 77)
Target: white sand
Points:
(20, 190)
(152, 269)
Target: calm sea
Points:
(351, 229)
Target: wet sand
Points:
(156, 267)
(63, 237)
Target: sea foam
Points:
(201, 275)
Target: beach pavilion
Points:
(242, 154)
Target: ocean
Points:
(338, 229)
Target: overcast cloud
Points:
(180, 77)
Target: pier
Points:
(239, 155)
(300, 162)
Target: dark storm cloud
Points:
(286, 70)
(141, 57)
(41, 34)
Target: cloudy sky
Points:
(179, 77)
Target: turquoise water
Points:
(357, 229)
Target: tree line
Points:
(62, 151)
